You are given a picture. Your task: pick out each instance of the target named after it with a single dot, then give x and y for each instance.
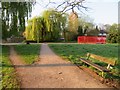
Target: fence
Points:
(15, 39)
(92, 39)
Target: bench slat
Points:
(103, 59)
(94, 65)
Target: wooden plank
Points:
(103, 59)
(94, 65)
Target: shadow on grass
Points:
(38, 65)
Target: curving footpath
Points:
(51, 72)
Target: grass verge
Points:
(8, 73)
(29, 53)
(73, 52)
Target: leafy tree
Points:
(55, 23)
(73, 25)
(27, 34)
(35, 29)
(93, 32)
(113, 36)
(85, 25)
(86, 30)
(107, 27)
(64, 26)
(46, 27)
(42, 28)
(80, 31)
(114, 27)
(13, 17)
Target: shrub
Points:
(113, 37)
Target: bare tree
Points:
(67, 5)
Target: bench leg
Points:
(102, 74)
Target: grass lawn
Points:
(8, 73)
(29, 53)
(73, 52)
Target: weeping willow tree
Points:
(55, 23)
(14, 15)
(35, 30)
(28, 30)
(45, 28)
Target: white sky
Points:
(102, 11)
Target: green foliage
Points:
(73, 26)
(74, 51)
(114, 35)
(28, 30)
(47, 27)
(79, 27)
(53, 25)
(35, 31)
(46, 16)
(83, 22)
(93, 32)
(9, 79)
(29, 53)
(13, 17)
(55, 22)
(80, 31)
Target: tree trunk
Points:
(42, 35)
(64, 34)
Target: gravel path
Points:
(52, 72)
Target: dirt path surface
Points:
(52, 72)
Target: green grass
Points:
(29, 53)
(73, 52)
(8, 73)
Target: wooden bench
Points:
(101, 59)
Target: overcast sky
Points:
(101, 11)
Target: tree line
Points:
(14, 15)
(52, 25)
(46, 27)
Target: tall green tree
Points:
(14, 15)
(73, 25)
(80, 31)
(35, 30)
(113, 35)
(64, 26)
(47, 27)
(55, 23)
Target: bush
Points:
(113, 37)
